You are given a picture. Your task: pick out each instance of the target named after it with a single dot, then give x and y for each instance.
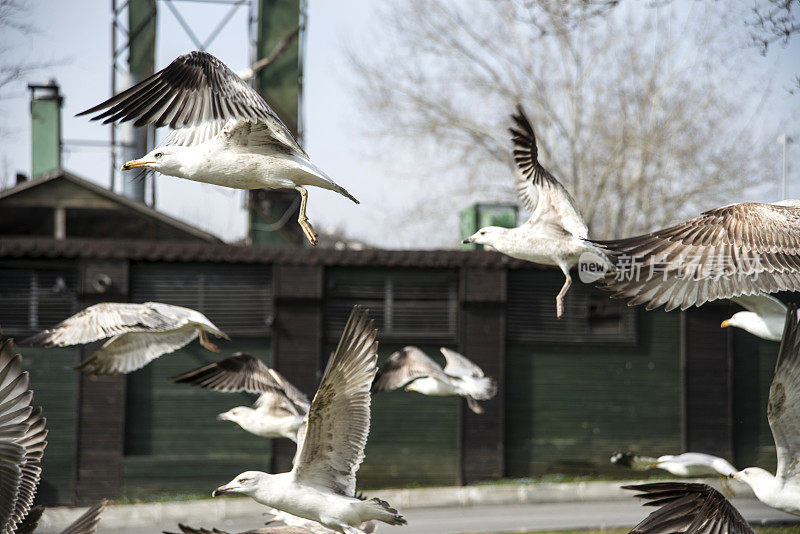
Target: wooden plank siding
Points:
(568, 408)
(708, 381)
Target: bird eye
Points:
(159, 154)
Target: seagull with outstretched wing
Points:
(782, 491)
(280, 408)
(322, 484)
(555, 233)
(137, 334)
(413, 370)
(225, 133)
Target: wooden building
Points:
(606, 377)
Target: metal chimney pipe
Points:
(46, 103)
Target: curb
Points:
(218, 510)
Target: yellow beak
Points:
(133, 164)
(726, 323)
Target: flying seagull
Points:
(22, 442)
(688, 464)
(765, 316)
(555, 233)
(225, 133)
(280, 408)
(138, 334)
(321, 485)
(416, 371)
(782, 491)
(185, 529)
(741, 249)
(688, 508)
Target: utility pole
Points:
(784, 140)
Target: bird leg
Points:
(308, 230)
(560, 296)
(205, 342)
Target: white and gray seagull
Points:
(782, 491)
(688, 464)
(738, 250)
(764, 317)
(225, 133)
(138, 334)
(280, 408)
(414, 370)
(322, 484)
(555, 233)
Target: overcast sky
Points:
(77, 36)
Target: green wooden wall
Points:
(55, 389)
(754, 366)
(413, 439)
(569, 408)
(173, 443)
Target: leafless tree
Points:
(775, 21)
(638, 112)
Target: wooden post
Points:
(101, 405)
(708, 387)
(297, 338)
(482, 339)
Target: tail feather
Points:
(380, 510)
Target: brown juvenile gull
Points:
(689, 508)
(225, 133)
(782, 491)
(321, 485)
(416, 371)
(741, 249)
(139, 333)
(280, 408)
(555, 233)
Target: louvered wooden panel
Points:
(568, 408)
(236, 298)
(34, 299)
(590, 316)
(411, 304)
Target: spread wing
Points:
(102, 321)
(87, 522)
(783, 408)
(129, 352)
(338, 421)
(689, 508)
(295, 395)
(240, 372)
(194, 89)
(741, 249)
(458, 365)
(545, 197)
(761, 304)
(404, 366)
(22, 441)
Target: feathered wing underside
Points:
(87, 522)
(22, 441)
(687, 507)
(338, 421)
(404, 366)
(764, 305)
(548, 201)
(295, 395)
(195, 88)
(102, 321)
(458, 365)
(237, 373)
(129, 352)
(783, 408)
(741, 249)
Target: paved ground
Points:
(508, 518)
